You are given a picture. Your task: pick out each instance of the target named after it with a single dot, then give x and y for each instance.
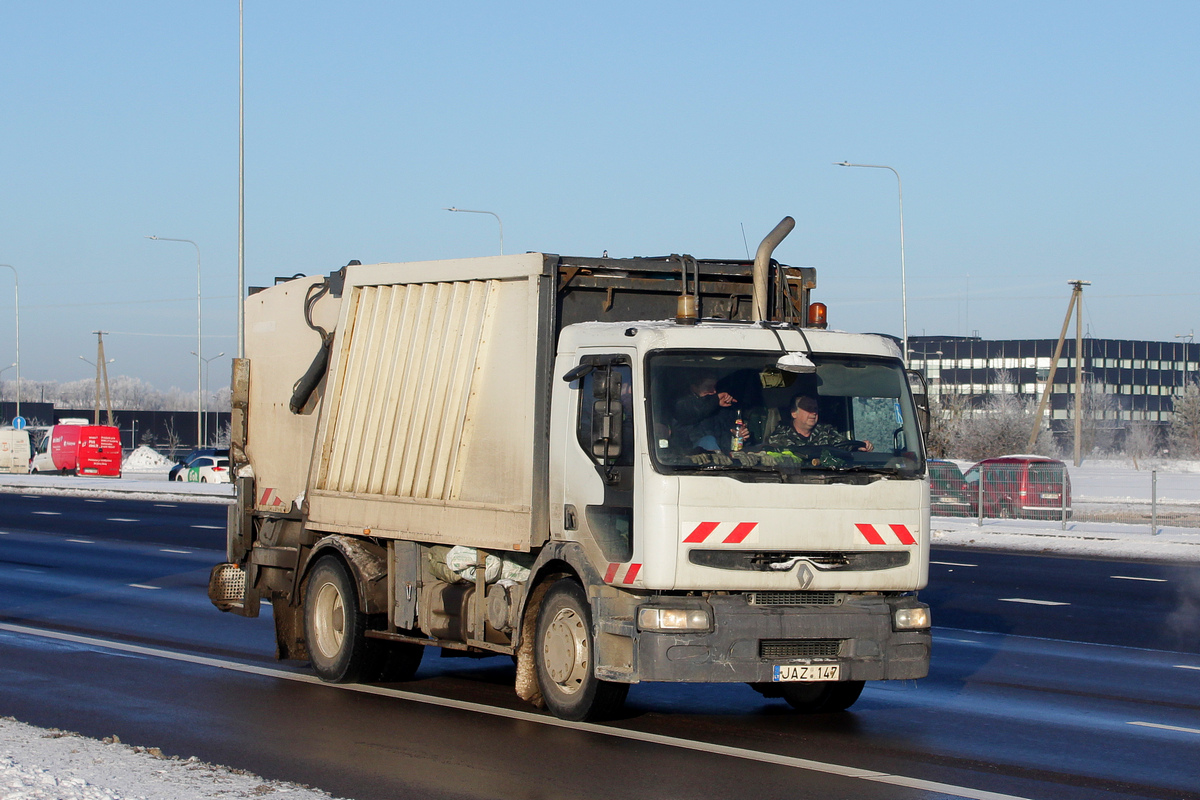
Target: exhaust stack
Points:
(762, 260)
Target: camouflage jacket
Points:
(785, 437)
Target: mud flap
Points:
(528, 688)
(289, 631)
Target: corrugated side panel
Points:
(399, 420)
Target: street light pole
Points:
(199, 358)
(17, 307)
(903, 281)
(206, 363)
(493, 213)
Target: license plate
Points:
(806, 672)
(1051, 496)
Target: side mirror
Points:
(607, 420)
(920, 393)
(608, 416)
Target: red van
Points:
(1031, 487)
(73, 447)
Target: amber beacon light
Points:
(817, 316)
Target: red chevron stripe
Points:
(869, 533)
(701, 532)
(740, 532)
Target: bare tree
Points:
(1185, 423)
(173, 439)
(1141, 440)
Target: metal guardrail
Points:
(1042, 490)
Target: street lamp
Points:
(206, 362)
(199, 347)
(903, 282)
(17, 307)
(493, 213)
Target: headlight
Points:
(656, 618)
(912, 618)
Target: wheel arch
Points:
(367, 562)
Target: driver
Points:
(803, 430)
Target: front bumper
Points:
(748, 639)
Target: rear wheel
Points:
(334, 627)
(564, 652)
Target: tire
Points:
(821, 697)
(334, 627)
(564, 653)
(393, 662)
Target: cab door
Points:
(598, 497)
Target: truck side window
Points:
(587, 405)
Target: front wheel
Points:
(564, 651)
(821, 696)
(334, 627)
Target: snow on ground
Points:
(37, 764)
(146, 459)
(40, 764)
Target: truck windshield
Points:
(738, 413)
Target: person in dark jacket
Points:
(705, 418)
(802, 430)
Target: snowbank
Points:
(40, 764)
(146, 459)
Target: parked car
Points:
(949, 493)
(1031, 487)
(200, 452)
(205, 469)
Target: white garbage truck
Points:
(613, 470)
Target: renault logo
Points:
(805, 576)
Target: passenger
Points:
(802, 430)
(705, 418)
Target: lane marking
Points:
(1032, 602)
(1166, 727)
(1136, 578)
(952, 564)
(27, 569)
(529, 716)
(165, 505)
(49, 513)
(143, 586)
(169, 550)
(94, 501)
(209, 527)
(1185, 666)
(122, 519)
(81, 541)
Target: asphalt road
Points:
(1052, 678)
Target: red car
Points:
(1030, 487)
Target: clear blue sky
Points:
(1037, 142)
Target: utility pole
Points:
(102, 369)
(1075, 305)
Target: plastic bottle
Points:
(736, 444)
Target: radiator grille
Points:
(794, 598)
(799, 648)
